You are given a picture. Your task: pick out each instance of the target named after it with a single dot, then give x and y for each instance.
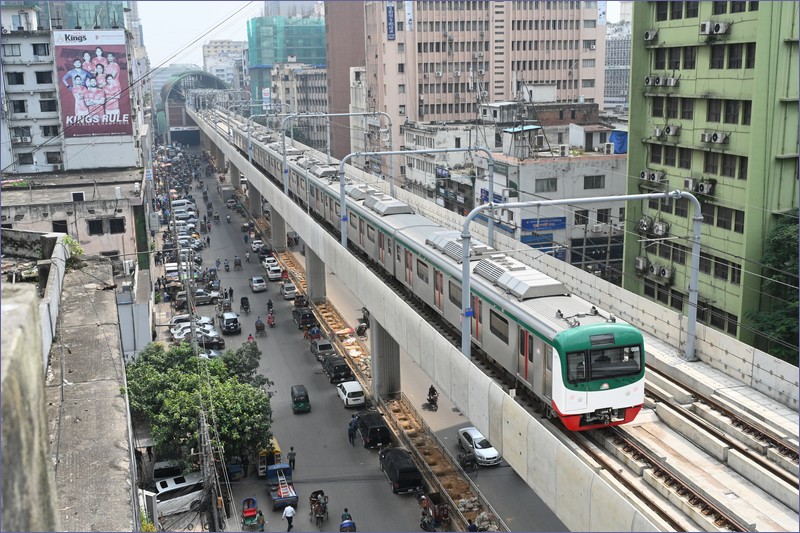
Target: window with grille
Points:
(15, 78)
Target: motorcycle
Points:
(271, 320)
(433, 401)
(227, 266)
(228, 218)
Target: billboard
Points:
(390, 22)
(93, 84)
(266, 98)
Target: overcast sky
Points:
(170, 27)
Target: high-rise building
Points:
(715, 93)
(220, 56)
(272, 40)
(437, 61)
(344, 37)
(618, 64)
(305, 89)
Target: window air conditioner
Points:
(705, 27)
(720, 28)
(644, 174)
(438, 73)
(650, 35)
(592, 47)
(660, 229)
(641, 264)
(688, 184)
(648, 80)
(16, 140)
(671, 129)
(597, 228)
(671, 82)
(480, 72)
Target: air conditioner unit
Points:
(644, 224)
(608, 148)
(540, 141)
(648, 80)
(671, 82)
(597, 228)
(26, 139)
(706, 27)
(644, 174)
(16, 140)
(660, 229)
(655, 176)
(705, 137)
(705, 187)
(6, 31)
(720, 27)
(641, 264)
(129, 266)
(425, 75)
(480, 72)
(422, 98)
(719, 137)
(57, 167)
(657, 132)
(484, 94)
(689, 184)
(563, 150)
(659, 81)
(665, 272)
(650, 35)
(438, 73)
(653, 269)
(457, 73)
(671, 129)
(592, 47)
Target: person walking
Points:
(288, 514)
(260, 520)
(291, 455)
(230, 292)
(351, 429)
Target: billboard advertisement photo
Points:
(93, 84)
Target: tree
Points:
(777, 319)
(242, 364)
(169, 387)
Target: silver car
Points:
(470, 439)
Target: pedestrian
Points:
(208, 241)
(288, 514)
(230, 292)
(260, 520)
(150, 453)
(351, 429)
(471, 525)
(291, 455)
(225, 294)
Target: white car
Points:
(184, 318)
(207, 330)
(269, 261)
(288, 290)
(179, 329)
(257, 284)
(351, 393)
(256, 245)
(274, 273)
(470, 439)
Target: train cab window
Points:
(615, 362)
(498, 326)
(576, 367)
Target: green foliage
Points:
(171, 386)
(242, 364)
(75, 251)
(777, 319)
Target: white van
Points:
(182, 204)
(179, 494)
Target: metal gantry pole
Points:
(697, 219)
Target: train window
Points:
(353, 220)
(499, 326)
(615, 362)
(454, 293)
(370, 233)
(422, 271)
(397, 252)
(576, 367)
(523, 338)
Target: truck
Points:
(228, 193)
(280, 486)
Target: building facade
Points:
(716, 91)
(220, 57)
(437, 61)
(618, 64)
(272, 40)
(305, 89)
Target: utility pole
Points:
(209, 472)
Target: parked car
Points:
(321, 348)
(472, 440)
(337, 369)
(210, 354)
(207, 330)
(288, 290)
(274, 273)
(304, 317)
(257, 284)
(206, 341)
(351, 393)
(181, 329)
(268, 262)
(181, 319)
(373, 430)
(229, 322)
(400, 470)
(256, 245)
(204, 297)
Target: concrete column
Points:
(235, 176)
(254, 198)
(315, 277)
(278, 231)
(385, 361)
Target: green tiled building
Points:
(714, 110)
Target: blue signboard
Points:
(544, 224)
(497, 225)
(390, 23)
(534, 240)
(442, 172)
(498, 198)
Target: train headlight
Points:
(604, 386)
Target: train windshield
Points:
(605, 363)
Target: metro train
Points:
(581, 363)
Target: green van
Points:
(300, 401)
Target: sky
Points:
(169, 27)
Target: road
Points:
(349, 475)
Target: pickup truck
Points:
(280, 486)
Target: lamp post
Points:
(343, 197)
(313, 115)
(467, 311)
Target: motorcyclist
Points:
(271, 320)
(269, 305)
(250, 338)
(259, 322)
(227, 265)
(247, 257)
(218, 262)
(432, 392)
(228, 218)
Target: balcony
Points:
(35, 60)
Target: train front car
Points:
(601, 369)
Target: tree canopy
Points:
(169, 387)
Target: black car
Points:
(400, 470)
(374, 431)
(336, 368)
(304, 317)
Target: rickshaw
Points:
(261, 328)
(245, 227)
(224, 306)
(249, 512)
(300, 300)
(237, 263)
(216, 218)
(244, 305)
(347, 525)
(318, 508)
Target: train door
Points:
(409, 268)
(381, 254)
(477, 319)
(361, 233)
(438, 290)
(388, 261)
